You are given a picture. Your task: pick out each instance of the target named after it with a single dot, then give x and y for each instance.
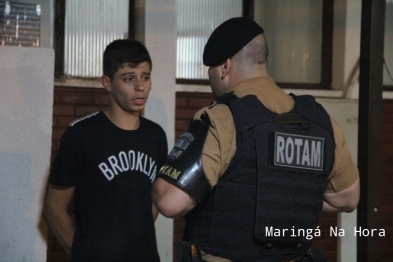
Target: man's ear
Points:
(106, 83)
(225, 67)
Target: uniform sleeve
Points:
(344, 172)
(220, 144)
(68, 163)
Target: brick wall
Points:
(70, 103)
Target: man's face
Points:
(130, 87)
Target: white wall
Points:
(26, 99)
(160, 40)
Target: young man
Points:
(256, 161)
(108, 161)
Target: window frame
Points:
(60, 14)
(385, 66)
(326, 53)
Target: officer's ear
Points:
(225, 67)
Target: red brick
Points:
(64, 110)
(185, 113)
(387, 107)
(387, 128)
(199, 102)
(57, 133)
(102, 99)
(64, 121)
(387, 243)
(177, 134)
(54, 121)
(386, 118)
(181, 102)
(386, 137)
(385, 159)
(80, 98)
(55, 98)
(387, 148)
(181, 125)
(386, 210)
(387, 170)
(86, 110)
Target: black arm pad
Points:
(184, 163)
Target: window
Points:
(300, 42)
(195, 22)
(83, 30)
(20, 24)
(388, 46)
(294, 32)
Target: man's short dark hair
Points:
(124, 52)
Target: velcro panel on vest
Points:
(184, 162)
(292, 172)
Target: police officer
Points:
(254, 170)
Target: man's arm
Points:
(57, 215)
(342, 201)
(170, 200)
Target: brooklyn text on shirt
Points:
(128, 161)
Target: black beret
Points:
(228, 39)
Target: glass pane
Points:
(195, 22)
(293, 29)
(89, 27)
(20, 24)
(388, 52)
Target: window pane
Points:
(90, 25)
(20, 24)
(196, 21)
(388, 52)
(293, 30)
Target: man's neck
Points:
(123, 119)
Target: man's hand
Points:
(57, 215)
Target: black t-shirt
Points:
(112, 170)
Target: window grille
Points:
(196, 20)
(90, 25)
(20, 24)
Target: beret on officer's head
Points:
(228, 39)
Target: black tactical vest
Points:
(267, 204)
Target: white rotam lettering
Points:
(298, 143)
(280, 149)
(298, 151)
(289, 152)
(315, 153)
(128, 161)
(306, 155)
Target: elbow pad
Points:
(184, 163)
